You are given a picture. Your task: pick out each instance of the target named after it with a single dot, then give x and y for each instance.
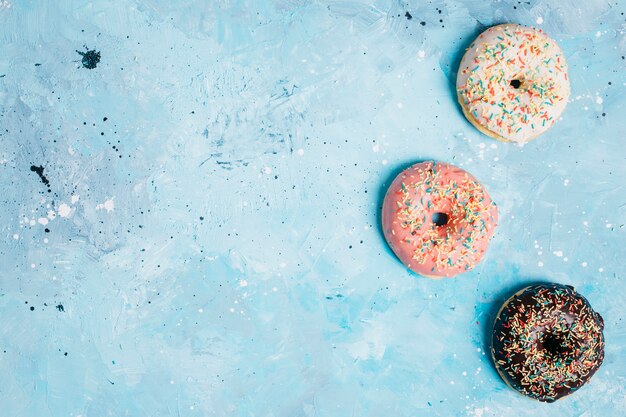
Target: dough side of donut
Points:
(470, 117)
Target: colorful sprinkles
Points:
(458, 245)
(513, 82)
(547, 341)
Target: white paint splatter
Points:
(539, 20)
(74, 199)
(558, 253)
(565, 182)
(300, 151)
(267, 170)
(16, 236)
(243, 283)
(421, 54)
(43, 221)
(64, 210)
(376, 148)
(478, 412)
(539, 264)
(599, 100)
(108, 205)
(584, 264)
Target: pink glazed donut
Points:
(438, 219)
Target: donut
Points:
(512, 83)
(547, 341)
(438, 219)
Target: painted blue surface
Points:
(213, 246)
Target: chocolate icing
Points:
(547, 341)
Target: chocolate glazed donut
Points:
(547, 341)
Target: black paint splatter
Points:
(91, 58)
(42, 177)
(408, 16)
(60, 308)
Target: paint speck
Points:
(243, 283)
(539, 20)
(39, 171)
(599, 100)
(90, 59)
(565, 182)
(64, 210)
(74, 199)
(540, 264)
(609, 225)
(558, 253)
(43, 221)
(267, 170)
(300, 151)
(376, 148)
(584, 264)
(600, 269)
(33, 266)
(16, 236)
(421, 54)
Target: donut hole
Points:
(515, 84)
(439, 219)
(555, 345)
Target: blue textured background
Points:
(213, 246)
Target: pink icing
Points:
(435, 250)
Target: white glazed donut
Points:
(512, 83)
